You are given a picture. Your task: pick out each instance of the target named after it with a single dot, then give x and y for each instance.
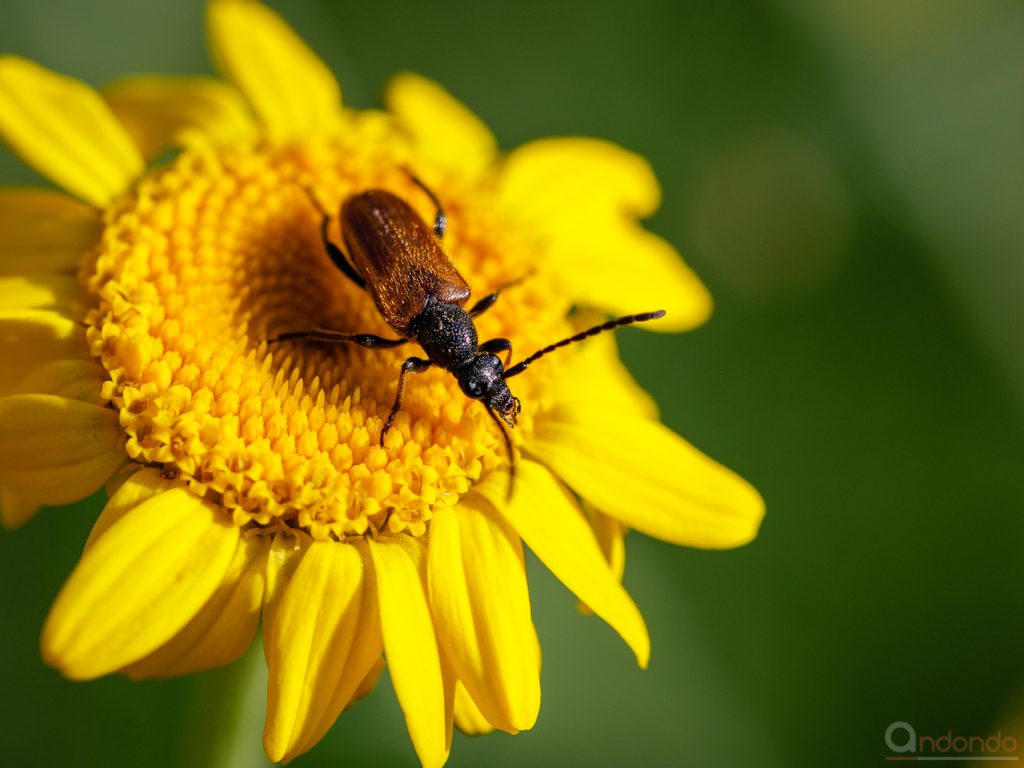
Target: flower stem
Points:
(227, 717)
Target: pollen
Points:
(219, 251)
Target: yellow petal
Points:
(121, 475)
(15, 511)
(443, 129)
(630, 270)
(584, 196)
(321, 641)
(648, 477)
(42, 232)
(62, 128)
(54, 450)
(410, 646)
(567, 175)
(140, 487)
(224, 628)
(372, 677)
(59, 292)
(551, 524)
(468, 716)
(289, 87)
(481, 603)
(162, 112)
(139, 584)
(611, 537)
(33, 338)
(597, 376)
(74, 379)
(286, 550)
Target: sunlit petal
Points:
(648, 477)
(143, 580)
(321, 641)
(137, 489)
(62, 128)
(481, 604)
(585, 196)
(224, 628)
(287, 85)
(410, 646)
(552, 525)
(442, 127)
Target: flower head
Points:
(246, 481)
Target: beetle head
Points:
(483, 379)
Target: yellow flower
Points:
(245, 480)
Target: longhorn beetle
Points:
(397, 258)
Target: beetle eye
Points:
(474, 387)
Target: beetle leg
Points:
(337, 255)
(412, 365)
(440, 220)
(484, 304)
(488, 301)
(334, 337)
(498, 345)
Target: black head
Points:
(483, 379)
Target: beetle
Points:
(396, 257)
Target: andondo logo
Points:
(905, 744)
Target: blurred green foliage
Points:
(847, 178)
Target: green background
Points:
(848, 179)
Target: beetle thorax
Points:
(446, 333)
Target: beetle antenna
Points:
(511, 453)
(643, 317)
